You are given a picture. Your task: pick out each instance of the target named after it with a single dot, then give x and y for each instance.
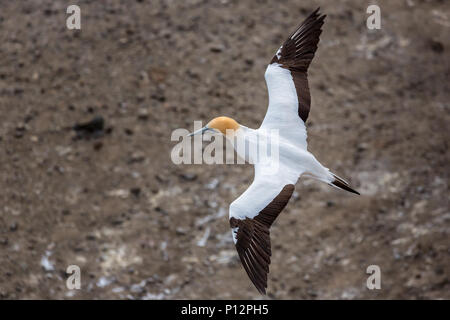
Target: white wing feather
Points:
(282, 113)
(266, 186)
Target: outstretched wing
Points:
(287, 81)
(251, 216)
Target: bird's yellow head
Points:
(223, 125)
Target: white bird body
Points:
(271, 175)
(277, 149)
(290, 161)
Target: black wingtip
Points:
(315, 17)
(341, 184)
(317, 13)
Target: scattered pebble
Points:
(188, 176)
(46, 263)
(92, 128)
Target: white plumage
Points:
(286, 158)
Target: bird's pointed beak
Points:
(199, 131)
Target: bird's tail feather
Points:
(341, 184)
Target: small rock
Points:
(161, 210)
(98, 145)
(92, 128)
(46, 263)
(159, 97)
(212, 184)
(117, 222)
(118, 289)
(181, 231)
(121, 193)
(188, 176)
(143, 114)
(91, 237)
(136, 191)
(160, 178)
(140, 97)
(137, 157)
(436, 46)
(216, 48)
(104, 281)
(13, 227)
(128, 132)
(190, 259)
(20, 130)
(362, 147)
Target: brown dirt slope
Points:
(111, 201)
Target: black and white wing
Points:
(287, 81)
(251, 216)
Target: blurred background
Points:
(107, 197)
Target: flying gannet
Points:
(252, 213)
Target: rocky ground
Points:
(108, 198)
